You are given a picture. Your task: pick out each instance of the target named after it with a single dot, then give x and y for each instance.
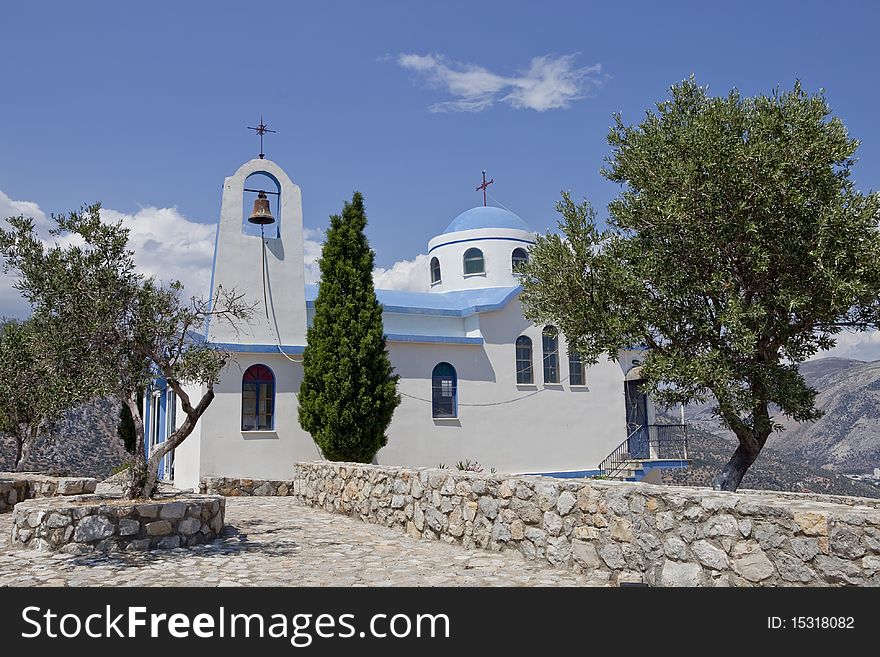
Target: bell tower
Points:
(260, 255)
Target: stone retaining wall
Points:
(18, 486)
(610, 531)
(89, 523)
(232, 487)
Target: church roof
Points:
(461, 303)
(486, 217)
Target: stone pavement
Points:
(269, 541)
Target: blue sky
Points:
(145, 105)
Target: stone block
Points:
(188, 526)
(750, 562)
(158, 528)
(172, 511)
(129, 527)
(675, 573)
(93, 528)
(812, 524)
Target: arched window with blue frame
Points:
(474, 262)
(444, 391)
(550, 340)
(258, 399)
(524, 372)
(518, 259)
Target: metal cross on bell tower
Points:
(484, 186)
(261, 130)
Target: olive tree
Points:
(115, 329)
(737, 248)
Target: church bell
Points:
(261, 214)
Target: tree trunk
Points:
(23, 447)
(138, 472)
(145, 472)
(750, 445)
(19, 445)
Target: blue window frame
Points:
(518, 258)
(577, 373)
(524, 372)
(258, 399)
(435, 271)
(550, 339)
(444, 391)
(474, 262)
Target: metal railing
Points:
(647, 442)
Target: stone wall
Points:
(18, 486)
(232, 487)
(611, 531)
(12, 491)
(89, 523)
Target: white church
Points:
(478, 381)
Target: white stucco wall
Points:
(188, 453)
(238, 263)
(541, 428)
(225, 450)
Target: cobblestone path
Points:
(269, 541)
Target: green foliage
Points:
(33, 393)
(122, 467)
(349, 390)
(737, 248)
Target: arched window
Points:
(444, 393)
(435, 271)
(473, 262)
(257, 399)
(577, 373)
(518, 258)
(524, 372)
(550, 339)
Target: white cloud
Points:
(313, 239)
(864, 345)
(11, 303)
(165, 244)
(550, 82)
(411, 275)
(170, 246)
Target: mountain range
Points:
(805, 456)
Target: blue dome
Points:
(486, 217)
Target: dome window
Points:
(473, 262)
(435, 271)
(518, 258)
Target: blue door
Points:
(637, 420)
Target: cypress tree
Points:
(349, 390)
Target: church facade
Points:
(478, 381)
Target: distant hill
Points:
(772, 471)
(846, 439)
(85, 443)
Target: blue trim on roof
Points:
(461, 303)
(441, 339)
(486, 217)
(480, 239)
(290, 350)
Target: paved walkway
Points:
(269, 541)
